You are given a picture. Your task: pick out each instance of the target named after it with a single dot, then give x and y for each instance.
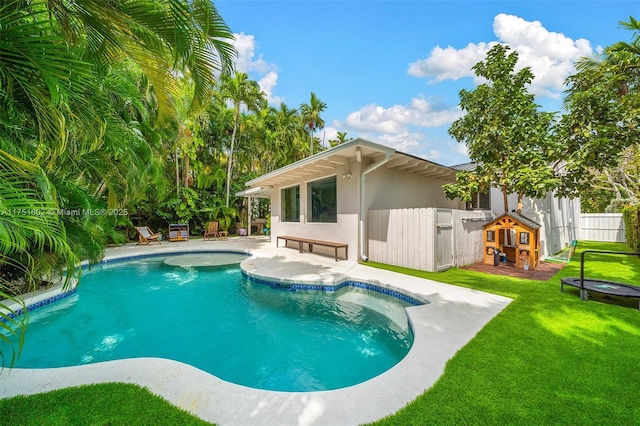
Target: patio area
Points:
(449, 320)
(543, 272)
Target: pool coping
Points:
(441, 327)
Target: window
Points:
(290, 204)
(323, 200)
(524, 238)
(491, 236)
(479, 201)
(508, 237)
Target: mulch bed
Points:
(543, 272)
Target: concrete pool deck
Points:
(453, 316)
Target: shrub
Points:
(631, 216)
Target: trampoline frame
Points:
(601, 286)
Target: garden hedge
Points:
(631, 215)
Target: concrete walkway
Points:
(450, 319)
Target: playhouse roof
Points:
(517, 218)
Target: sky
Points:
(390, 71)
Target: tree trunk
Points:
(505, 198)
(230, 160)
(519, 207)
(187, 173)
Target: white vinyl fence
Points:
(607, 227)
(428, 239)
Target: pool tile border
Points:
(85, 265)
(36, 305)
(271, 283)
(332, 288)
(11, 315)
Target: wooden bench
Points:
(311, 243)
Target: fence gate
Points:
(444, 239)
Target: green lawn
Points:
(100, 404)
(548, 358)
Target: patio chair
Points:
(146, 235)
(211, 231)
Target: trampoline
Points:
(607, 287)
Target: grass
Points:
(100, 404)
(547, 358)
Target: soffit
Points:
(338, 157)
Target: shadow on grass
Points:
(547, 358)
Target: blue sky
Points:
(390, 70)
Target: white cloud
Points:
(403, 142)
(267, 84)
(550, 55)
(449, 63)
(402, 126)
(265, 73)
(246, 61)
(398, 118)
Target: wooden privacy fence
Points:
(428, 239)
(607, 227)
(432, 239)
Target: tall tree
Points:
(504, 132)
(603, 104)
(240, 90)
(159, 36)
(63, 141)
(311, 117)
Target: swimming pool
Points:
(219, 321)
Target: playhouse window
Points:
(491, 236)
(323, 200)
(290, 199)
(524, 238)
(508, 237)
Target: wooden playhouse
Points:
(518, 239)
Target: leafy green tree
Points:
(603, 105)
(505, 134)
(311, 117)
(614, 187)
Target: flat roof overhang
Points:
(357, 150)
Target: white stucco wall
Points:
(388, 189)
(384, 189)
(346, 228)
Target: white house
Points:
(387, 206)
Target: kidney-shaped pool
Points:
(218, 320)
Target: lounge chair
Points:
(146, 235)
(211, 231)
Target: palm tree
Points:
(311, 115)
(286, 132)
(61, 138)
(240, 91)
(166, 36)
(341, 138)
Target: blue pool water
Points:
(217, 320)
